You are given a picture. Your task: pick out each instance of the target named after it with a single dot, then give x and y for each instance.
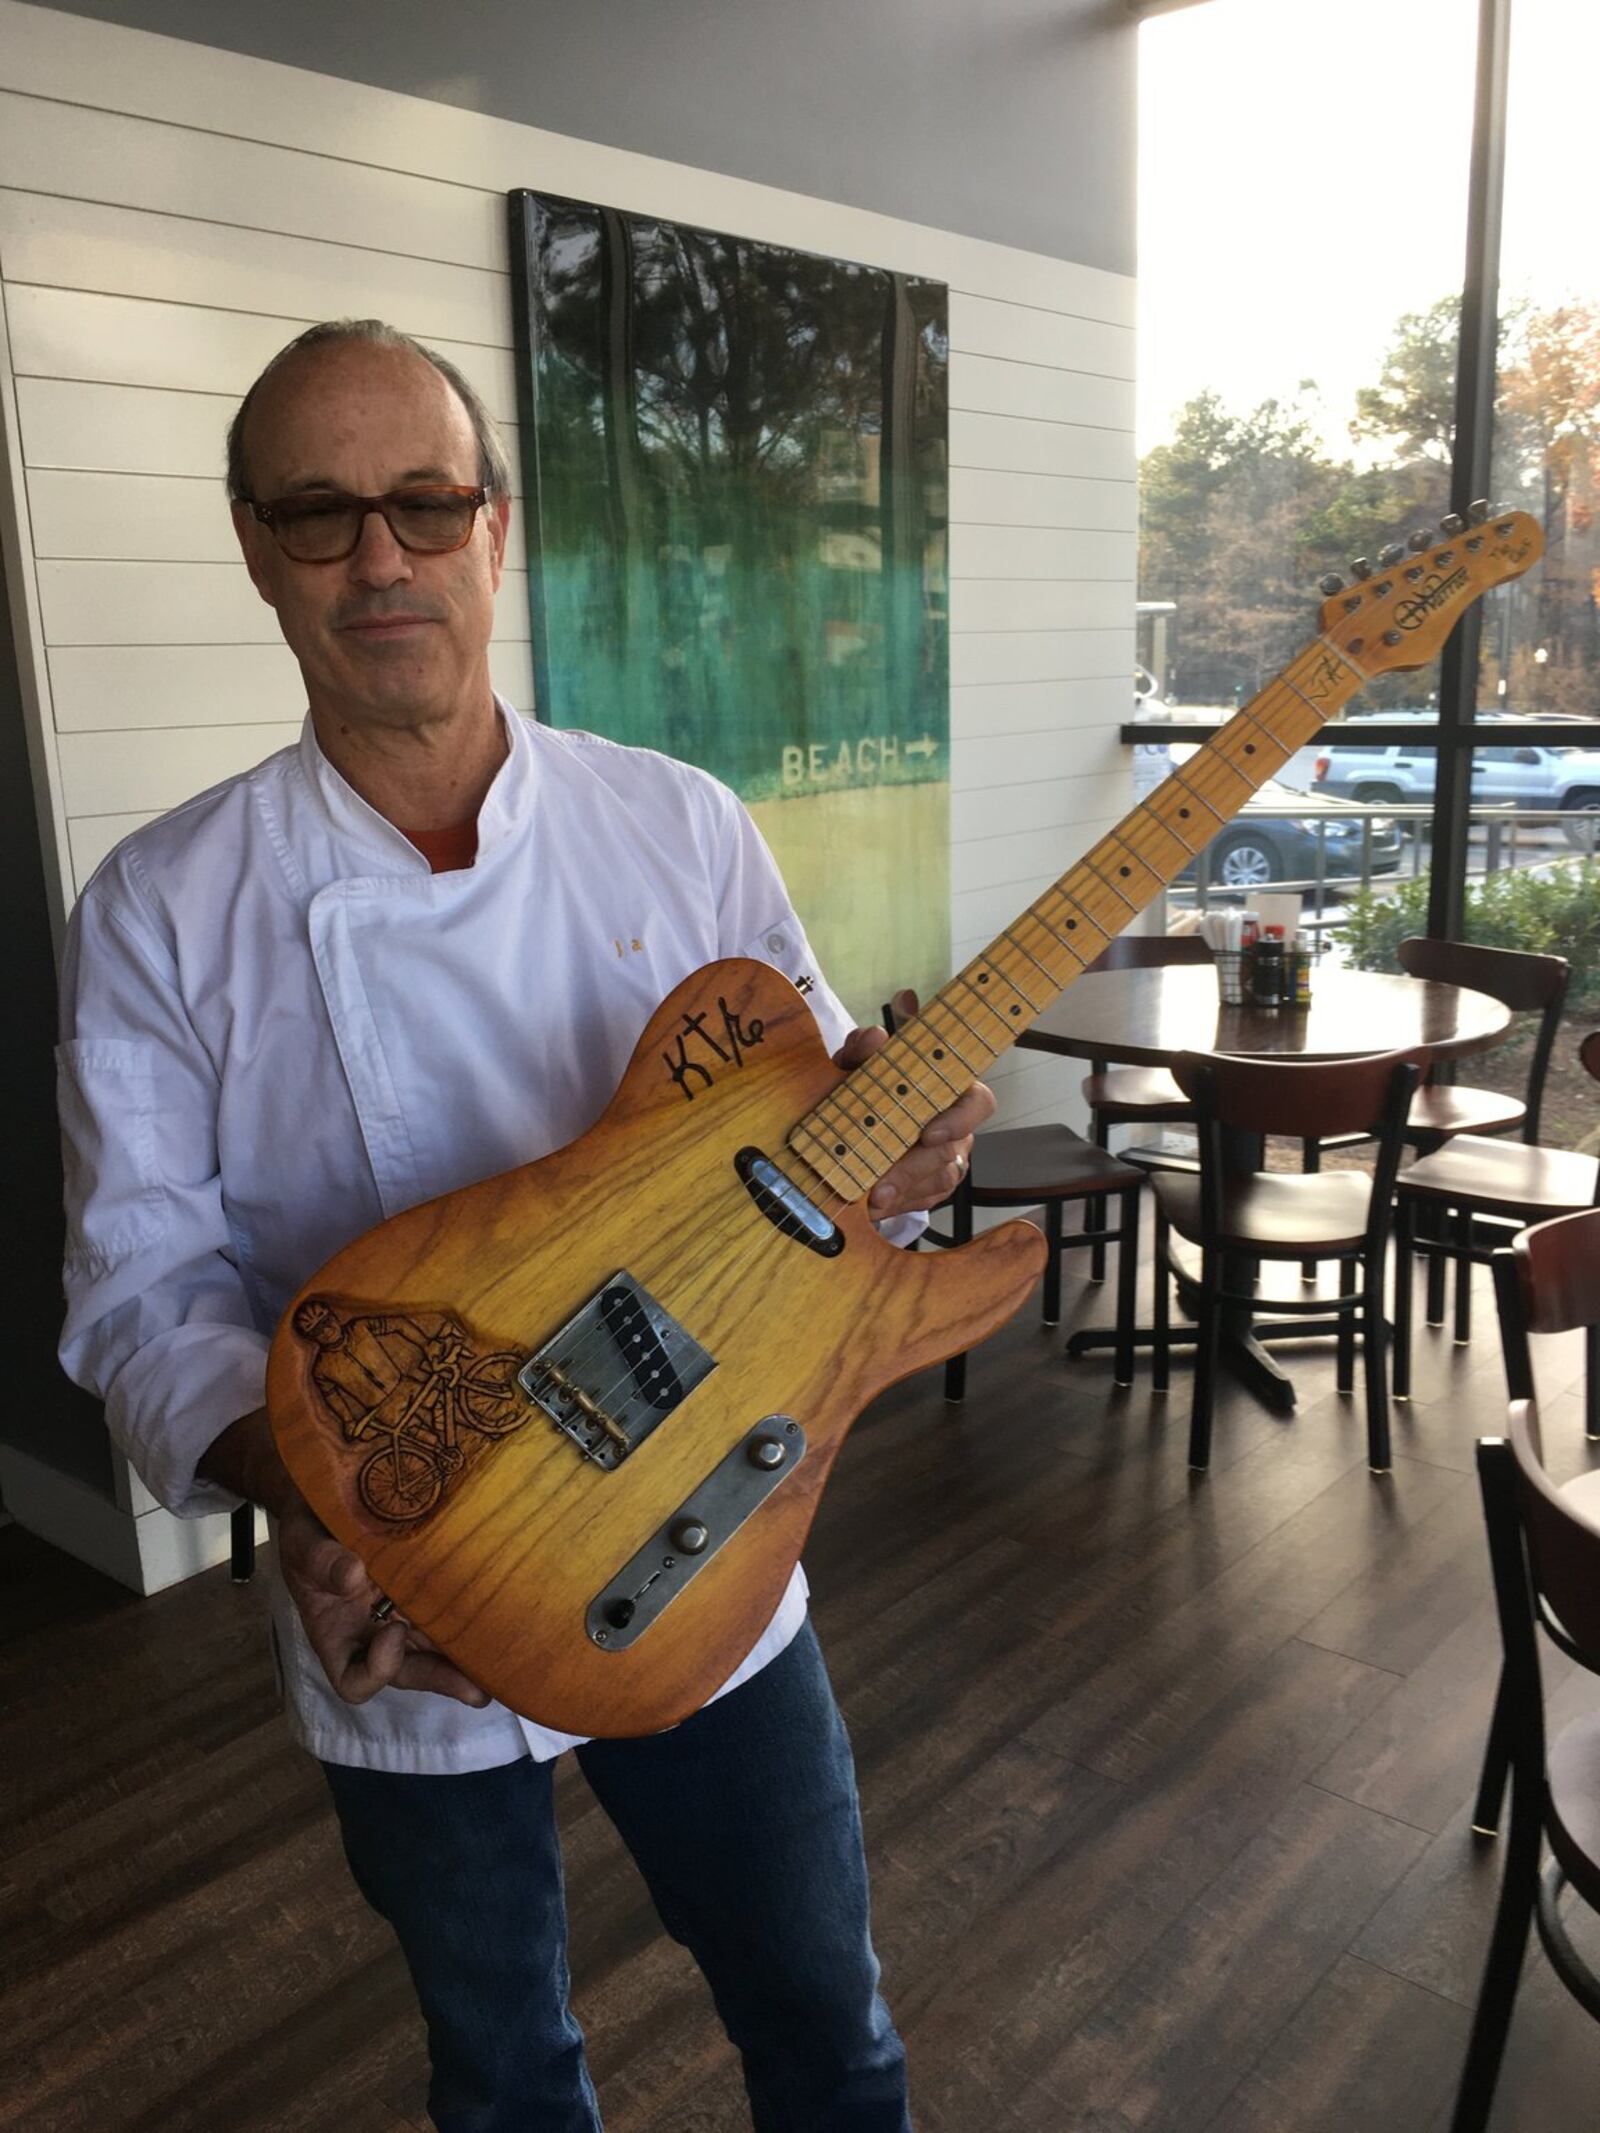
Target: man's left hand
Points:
(930, 1172)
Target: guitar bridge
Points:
(614, 1371)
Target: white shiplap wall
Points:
(170, 215)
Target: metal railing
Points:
(1506, 842)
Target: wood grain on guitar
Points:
(576, 1419)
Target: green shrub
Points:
(1552, 913)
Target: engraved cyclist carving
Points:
(412, 1382)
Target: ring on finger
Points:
(961, 1167)
(382, 1610)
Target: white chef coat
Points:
(280, 1027)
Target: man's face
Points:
(385, 639)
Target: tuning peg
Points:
(1391, 554)
(1419, 540)
(1330, 583)
(1478, 511)
(1452, 523)
(1361, 568)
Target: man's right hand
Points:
(328, 1582)
(329, 1585)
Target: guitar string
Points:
(1276, 697)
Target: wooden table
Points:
(1146, 1017)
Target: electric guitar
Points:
(576, 1419)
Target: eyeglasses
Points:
(324, 525)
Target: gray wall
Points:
(1006, 119)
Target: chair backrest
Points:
(1150, 951)
(1589, 1053)
(1546, 1281)
(1307, 1100)
(1563, 1545)
(1526, 983)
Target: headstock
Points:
(1398, 612)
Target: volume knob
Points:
(690, 1537)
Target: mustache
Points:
(357, 612)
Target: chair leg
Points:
(1127, 1282)
(1094, 1211)
(1344, 1366)
(1591, 1387)
(242, 1544)
(1436, 1224)
(1496, 1767)
(1052, 1265)
(1463, 1243)
(1094, 1217)
(1311, 1165)
(1374, 1344)
(1205, 1364)
(1404, 1271)
(955, 1379)
(1503, 1968)
(1161, 1310)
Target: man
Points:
(377, 967)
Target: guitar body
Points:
(394, 1395)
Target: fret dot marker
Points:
(869, 1120)
(900, 1088)
(838, 1147)
(937, 1053)
(1016, 1010)
(1124, 872)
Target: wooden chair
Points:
(1544, 1546)
(1133, 1095)
(1548, 1281)
(1049, 1166)
(1527, 984)
(1238, 1215)
(1473, 1176)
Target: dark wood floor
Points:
(1166, 1785)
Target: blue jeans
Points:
(745, 1825)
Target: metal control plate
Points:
(624, 1609)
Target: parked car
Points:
(1526, 776)
(1263, 845)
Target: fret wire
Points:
(954, 1088)
(837, 1100)
(1133, 908)
(906, 1049)
(854, 1156)
(1011, 1019)
(894, 1098)
(1058, 984)
(1036, 1007)
(1362, 677)
(841, 1162)
(868, 1072)
(1187, 791)
(961, 978)
(1118, 838)
(1151, 825)
(1322, 717)
(940, 999)
(870, 1120)
(1068, 898)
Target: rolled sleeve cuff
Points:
(175, 1397)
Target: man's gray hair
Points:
(494, 471)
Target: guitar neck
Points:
(874, 1116)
